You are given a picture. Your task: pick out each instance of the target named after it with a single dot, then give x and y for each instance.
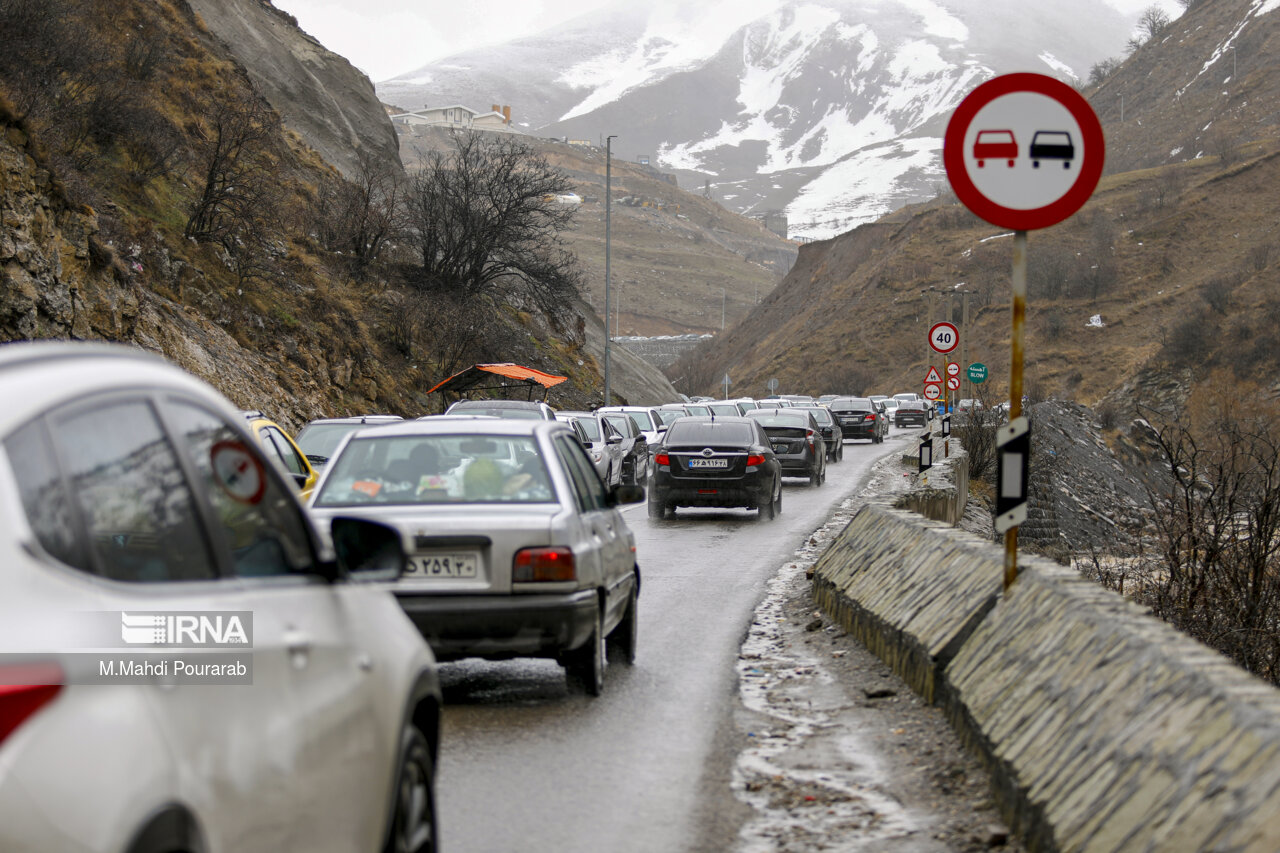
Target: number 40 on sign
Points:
(944, 337)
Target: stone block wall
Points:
(1104, 728)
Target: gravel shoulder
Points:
(838, 753)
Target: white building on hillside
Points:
(458, 117)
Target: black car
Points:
(716, 462)
(860, 417)
(797, 441)
(830, 428)
(911, 412)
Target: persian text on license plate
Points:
(708, 463)
(441, 566)
(782, 448)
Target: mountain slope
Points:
(832, 110)
(1168, 271)
(679, 263)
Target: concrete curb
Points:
(1103, 728)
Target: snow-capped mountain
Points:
(832, 110)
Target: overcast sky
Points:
(384, 38)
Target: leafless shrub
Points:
(237, 171)
(1259, 257)
(976, 430)
(1054, 325)
(1188, 343)
(1216, 575)
(1217, 294)
(359, 217)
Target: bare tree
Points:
(359, 216)
(485, 215)
(238, 169)
(1153, 22)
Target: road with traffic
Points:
(528, 765)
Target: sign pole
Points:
(965, 383)
(1015, 379)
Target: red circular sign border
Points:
(1008, 217)
(952, 327)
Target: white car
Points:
(185, 666)
(517, 549)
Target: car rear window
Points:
(710, 432)
(437, 469)
(590, 426)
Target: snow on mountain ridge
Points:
(678, 37)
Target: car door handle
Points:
(298, 645)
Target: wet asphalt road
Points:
(526, 765)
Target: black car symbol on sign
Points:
(995, 145)
(1052, 145)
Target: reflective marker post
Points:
(1015, 393)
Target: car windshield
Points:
(710, 432)
(437, 469)
(323, 439)
(724, 409)
(702, 411)
(780, 418)
(669, 416)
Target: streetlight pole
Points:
(608, 213)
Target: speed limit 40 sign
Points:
(944, 337)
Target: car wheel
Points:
(815, 478)
(657, 509)
(413, 828)
(840, 453)
(622, 639)
(584, 667)
(777, 501)
(768, 511)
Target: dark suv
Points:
(860, 417)
(797, 440)
(719, 462)
(911, 412)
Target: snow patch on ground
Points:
(1059, 66)
(861, 188)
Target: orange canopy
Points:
(470, 379)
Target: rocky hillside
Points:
(1169, 271)
(318, 94)
(100, 238)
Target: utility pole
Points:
(965, 383)
(608, 213)
(722, 300)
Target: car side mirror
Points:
(614, 439)
(367, 550)
(625, 494)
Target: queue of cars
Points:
(134, 497)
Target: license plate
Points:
(780, 448)
(708, 463)
(441, 566)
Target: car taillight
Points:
(543, 564)
(662, 459)
(870, 417)
(755, 460)
(41, 683)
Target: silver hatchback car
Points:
(516, 547)
(183, 664)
